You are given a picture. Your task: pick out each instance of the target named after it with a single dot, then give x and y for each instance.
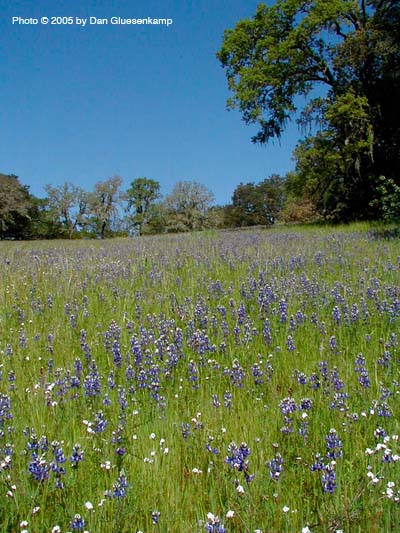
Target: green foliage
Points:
(388, 199)
(187, 207)
(15, 204)
(351, 49)
(141, 197)
(103, 206)
(257, 204)
(68, 205)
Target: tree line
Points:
(69, 211)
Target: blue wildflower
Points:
(78, 523)
(275, 467)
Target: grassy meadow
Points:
(226, 381)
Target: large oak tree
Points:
(340, 57)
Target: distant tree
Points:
(43, 223)
(141, 197)
(156, 219)
(103, 206)
(69, 205)
(257, 204)
(246, 209)
(15, 205)
(187, 206)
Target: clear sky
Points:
(82, 104)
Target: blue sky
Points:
(82, 104)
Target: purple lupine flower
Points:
(100, 423)
(119, 487)
(329, 479)
(237, 374)
(215, 401)
(287, 406)
(5, 410)
(122, 399)
(336, 315)
(193, 374)
(78, 523)
(228, 399)
(361, 369)
(300, 377)
(257, 374)
(319, 464)
(290, 344)
(333, 344)
(385, 359)
(267, 332)
(333, 445)
(210, 448)
(355, 314)
(334, 378)
(116, 351)
(91, 383)
(56, 465)
(283, 310)
(111, 380)
(106, 400)
(213, 524)
(383, 409)
(38, 467)
(237, 459)
(185, 427)
(303, 428)
(275, 467)
(305, 404)
(77, 455)
(339, 401)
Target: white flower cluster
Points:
(388, 455)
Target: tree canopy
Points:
(141, 197)
(342, 58)
(15, 206)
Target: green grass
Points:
(201, 302)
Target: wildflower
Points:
(238, 459)
(276, 467)
(333, 445)
(287, 406)
(230, 514)
(185, 427)
(77, 455)
(78, 523)
(285, 509)
(119, 487)
(213, 524)
(240, 490)
(39, 468)
(155, 516)
(329, 479)
(290, 344)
